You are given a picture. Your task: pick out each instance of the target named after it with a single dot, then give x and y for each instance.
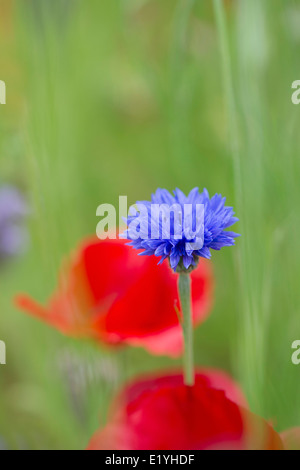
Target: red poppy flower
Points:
(164, 414)
(109, 293)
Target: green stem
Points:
(184, 288)
(228, 85)
(181, 21)
(179, 95)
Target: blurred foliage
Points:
(109, 98)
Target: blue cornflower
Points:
(13, 209)
(179, 227)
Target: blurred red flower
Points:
(109, 293)
(164, 414)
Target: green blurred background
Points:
(119, 97)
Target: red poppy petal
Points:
(212, 378)
(106, 291)
(24, 302)
(163, 414)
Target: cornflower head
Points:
(181, 228)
